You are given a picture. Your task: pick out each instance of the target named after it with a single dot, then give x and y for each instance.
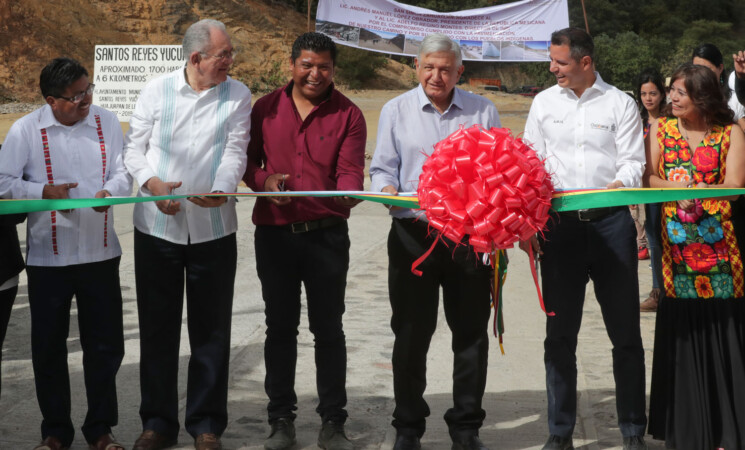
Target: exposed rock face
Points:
(32, 32)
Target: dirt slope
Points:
(32, 32)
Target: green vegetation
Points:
(629, 34)
(355, 67)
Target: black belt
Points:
(303, 227)
(589, 215)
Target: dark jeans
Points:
(161, 268)
(319, 260)
(653, 228)
(414, 301)
(605, 252)
(97, 293)
(7, 297)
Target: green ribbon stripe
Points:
(562, 201)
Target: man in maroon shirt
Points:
(305, 136)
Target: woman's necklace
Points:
(684, 131)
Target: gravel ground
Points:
(14, 108)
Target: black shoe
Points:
(407, 442)
(469, 441)
(332, 437)
(282, 436)
(555, 442)
(634, 443)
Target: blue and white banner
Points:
(519, 31)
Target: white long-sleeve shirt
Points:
(198, 138)
(39, 150)
(588, 141)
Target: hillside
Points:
(32, 32)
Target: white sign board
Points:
(120, 71)
(519, 31)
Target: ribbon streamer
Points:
(561, 201)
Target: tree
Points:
(619, 60)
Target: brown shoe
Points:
(650, 304)
(150, 440)
(106, 442)
(51, 443)
(207, 441)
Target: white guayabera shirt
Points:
(198, 138)
(39, 150)
(588, 141)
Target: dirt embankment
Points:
(32, 32)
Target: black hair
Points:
(315, 42)
(711, 53)
(578, 40)
(58, 75)
(649, 75)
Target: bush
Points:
(354, 66)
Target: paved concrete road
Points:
(515, 399)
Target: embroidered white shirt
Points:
(80, 236)
(198, 138)
(588, 141)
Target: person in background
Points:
(697, 399)
(590, 135)
(70, 148)
(708, 55)
(189, 131)
(413, 121)
(650, 96)
(305, 136)
(11, 264)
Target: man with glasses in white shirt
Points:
(70, 148)
(590, 135)
(189, 131)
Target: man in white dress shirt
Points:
(410, 125)
(590, 135)
(70, 148)
(189, 131)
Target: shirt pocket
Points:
(323, 150)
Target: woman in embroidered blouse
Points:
(698, 372)
(650, 96)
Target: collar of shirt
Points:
(47, 119)
(425, 102)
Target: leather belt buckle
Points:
(584, 215)
(300, 227)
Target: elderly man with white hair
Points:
(189, 131)
(410, 125)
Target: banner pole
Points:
(584, 13)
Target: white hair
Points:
(197, 37)
(440, 43)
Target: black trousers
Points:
(414, 301)
(161, 268)
(319, 260)
(605, 252)
(7, 297)
(97, 293)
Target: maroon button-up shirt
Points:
(324, 152)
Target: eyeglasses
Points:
(222, 56)
(79, 97)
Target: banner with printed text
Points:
(519, 31)
(120, 71)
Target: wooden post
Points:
(309, 5)
(584, 13)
